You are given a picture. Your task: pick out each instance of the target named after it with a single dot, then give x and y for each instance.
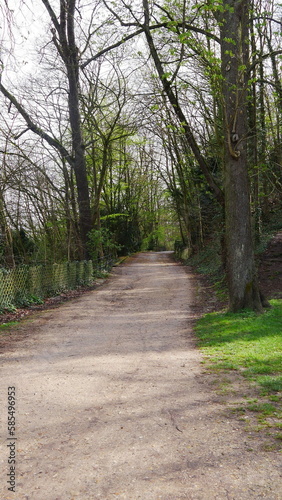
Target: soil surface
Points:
(112, 400)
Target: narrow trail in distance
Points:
(111, 403)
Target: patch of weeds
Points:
(270, 447)
(10, 324)
(263, 408)
(28, 300)
(9, 308)
(271, 384)
(244, 418)
(224, 386)
(258, 428)
(239, 410)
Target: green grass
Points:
(246, 341)
(250, 344)
(263, 408)
(10, 324)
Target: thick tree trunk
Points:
(242, 280)
(241, 272)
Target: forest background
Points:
(135, 125)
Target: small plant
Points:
(9, 308)
(28, 300)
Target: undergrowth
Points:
(208, 262)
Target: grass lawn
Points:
(251, 346)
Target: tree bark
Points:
(72, 65)
(241, 272)
(65, 43)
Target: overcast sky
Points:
(20, 36)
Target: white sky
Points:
(19, 40)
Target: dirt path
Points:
(111, 402)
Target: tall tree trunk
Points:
(72, 64)
(64, 40)
(63, 31)
(242, 280)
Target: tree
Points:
(210, 95)
(234, 34)
(105, 123)
(63, 36)
(232, 17)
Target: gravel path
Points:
(111, 402)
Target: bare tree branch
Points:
(141, 30)
(35, 128)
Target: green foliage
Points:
(100, 242)
(215, 6)
(230, 53)
(27, 300)
(113, 217)
(155, 240)
(230, 40)
(10, 324)
(23, 246)
(125, 231)
(208, 262)
(8, 308)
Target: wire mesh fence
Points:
(25, 285)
